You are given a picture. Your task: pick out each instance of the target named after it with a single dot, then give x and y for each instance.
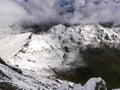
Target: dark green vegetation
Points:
(104, 63)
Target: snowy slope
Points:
(57, 49)
(11, 79)
(27, 80)
(11, 44)
(60, 47)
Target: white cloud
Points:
(45, 11)
(10, 12)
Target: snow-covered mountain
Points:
(58, 48)
(41, 55)
(36, 56)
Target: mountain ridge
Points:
(57, 50)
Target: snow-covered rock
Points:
(78, 87)
(116, 89)
(56, 50)
(15, 78)
(95, 84)
(63, 86)
(37, 56)
(92, 84)
(11, 79)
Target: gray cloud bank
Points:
(60, 11)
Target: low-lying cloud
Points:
(59, 11)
